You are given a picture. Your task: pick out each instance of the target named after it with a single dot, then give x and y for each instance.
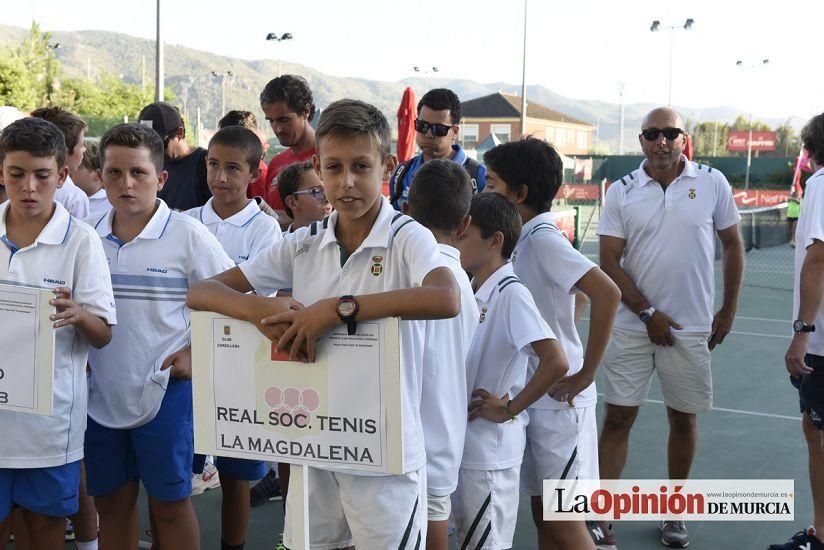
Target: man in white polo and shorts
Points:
(657, 235)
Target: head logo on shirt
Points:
(692, 193)
(483, 314)
(377, 265)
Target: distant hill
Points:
(188, 73)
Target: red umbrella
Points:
(406, 125)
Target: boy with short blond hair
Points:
(328, 266)
(511, 333)
(140, 395)
(439, 200)
(43, 246)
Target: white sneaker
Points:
(209, 479)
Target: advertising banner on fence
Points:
(343, 411)
(761, 141)
(664, 499)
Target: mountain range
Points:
(188, 72)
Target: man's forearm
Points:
(811, 289)
(733, 265)
(630, 295)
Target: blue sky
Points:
(581, 49)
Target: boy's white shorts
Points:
(560, 444)
(438, 507)
(485, 508)
(365, 511)
(684, 370)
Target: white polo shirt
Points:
(398, 253)
(99, 205)
(150, 276)
(549, 266)
(444, 397)
(509, 322)
(809, 229)
(243, 235)
(73, 198)
(670, 240)
(66, 253)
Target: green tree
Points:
(787, 142)
(710, 139)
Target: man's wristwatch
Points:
(347, 309)
(646, 315)
(801, 326)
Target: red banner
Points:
(761, 141)
(759, 197)
(578, 192)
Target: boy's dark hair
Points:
(352, 117)
(491, 212)
(530, 162)
(242, 139)
(133, 136)
(288, 181)
(246, 119)
(69, 123)
(812, 138)
(292, 89)
(91, 156)
(441, 99)
(440, 194)
(35, 136)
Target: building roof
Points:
(501, 105)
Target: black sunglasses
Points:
(438, 130)
(651, 134)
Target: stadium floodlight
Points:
(425, 71)
(222, 77)
(740, 64)
(655, 27)
(273, 36)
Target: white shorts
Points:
(439, 508)
(485, 508)
(560, 444)
(683, 368)
(365, 511)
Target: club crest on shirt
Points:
(691, 193)
(483, 314)
(227, 330)
(377, 265)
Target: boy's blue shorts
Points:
(235, 468)
(158, 453)
(48, 491)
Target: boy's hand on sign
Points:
(488, 406)
(181, 364)
(306, 326)
(68, 312)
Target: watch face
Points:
(798, 325)
(346, 309)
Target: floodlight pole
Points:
(741, 64)
(274, 36)
(523, 78)
(159, 85)
(655, 27)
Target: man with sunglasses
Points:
(436, 133)
(186, 187)
(657, 234)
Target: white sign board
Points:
(343, 410)
(27, 341)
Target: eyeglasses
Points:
(438, 130)
(651, 134)
(317, 193)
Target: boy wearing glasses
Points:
(186, 187)
(657, 236)
(302, 194)
(436, 132)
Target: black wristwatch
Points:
(801, 326)
(646, 315)
(347, 309)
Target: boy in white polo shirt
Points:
(439, 200)
(140, 395)
(43, 246)
(510, 332)
(331, 266)
(562, 436)
(243, 231)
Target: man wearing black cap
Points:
(186, 165)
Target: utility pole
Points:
(159, 82)
(621, 119)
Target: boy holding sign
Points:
(332, 266)
(44, 247)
